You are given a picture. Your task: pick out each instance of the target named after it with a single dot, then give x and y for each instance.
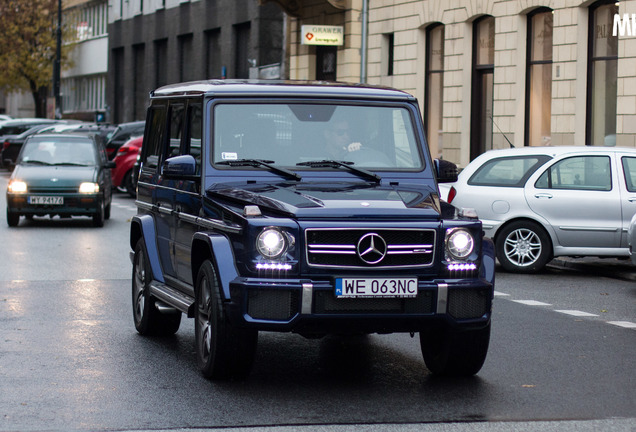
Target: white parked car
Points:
(537, 203)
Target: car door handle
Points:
(543, 195)
(631, 199)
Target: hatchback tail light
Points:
(452, 192)
(5, 145)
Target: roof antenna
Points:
(500, 131)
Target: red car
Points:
(123, 178)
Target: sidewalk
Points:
(608, 267)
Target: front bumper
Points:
(310, 306)
(75, 204)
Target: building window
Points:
(89, 20)
(186, 64)
(388, 45)
(602, 75)
(539, 78)
(242, 51)
(161, 62)
(213, 65)
(482, 95)
(434, 88)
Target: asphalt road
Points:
(562, 356)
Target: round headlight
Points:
(460, 243)
(271, 243)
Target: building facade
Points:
(488, 73)
(83, 85)
(157, 42)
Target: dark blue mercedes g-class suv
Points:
(302, 207)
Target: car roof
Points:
(316, 89)
(552, 151)
(62, 136)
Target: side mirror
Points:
(446, 171)
(180, 167)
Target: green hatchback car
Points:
(61, 174)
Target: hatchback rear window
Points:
(507, 171)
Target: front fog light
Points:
(89, 188)
(271, 243)
(459, 243)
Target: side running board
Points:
(182, 302)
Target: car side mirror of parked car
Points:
(179, 167)
(446, 171)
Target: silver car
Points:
(541, 202)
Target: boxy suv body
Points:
(302, 207)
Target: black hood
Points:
(333, 200)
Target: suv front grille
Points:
(370, 248)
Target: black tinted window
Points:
(156, 135)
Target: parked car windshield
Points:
(376, 137)
(62, 151)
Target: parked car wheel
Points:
(222, 350)
(451, 352)
(148, 320)
(13, 219)
(523, 247)
(99, 216)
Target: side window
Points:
(156, 136)
(629, 169)
(193, 140)
(177, 128)
(578, 173)
(507, 171)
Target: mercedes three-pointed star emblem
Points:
(371, 248)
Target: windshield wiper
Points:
(328, 163)
(262, 163)
(38, 162)
(70, 164)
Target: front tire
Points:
(223, 351)
(523, 247)
(148, 320)
(13, 219)
(100, 215)
(455, 352)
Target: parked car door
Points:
(580, 197)
(627, 167)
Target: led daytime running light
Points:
(273, 266)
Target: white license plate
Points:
(47, 200)
(376, 287)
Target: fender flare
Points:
(217, 248)
(487, 268)
(143, 226)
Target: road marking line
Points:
(625, 324)
(500, 294)
(532, 303)
(577, 313)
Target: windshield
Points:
(63, 151)
(373, 137)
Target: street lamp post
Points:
(57, 63)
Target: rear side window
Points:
(507, 171)
(629, 168)
(578, 173)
